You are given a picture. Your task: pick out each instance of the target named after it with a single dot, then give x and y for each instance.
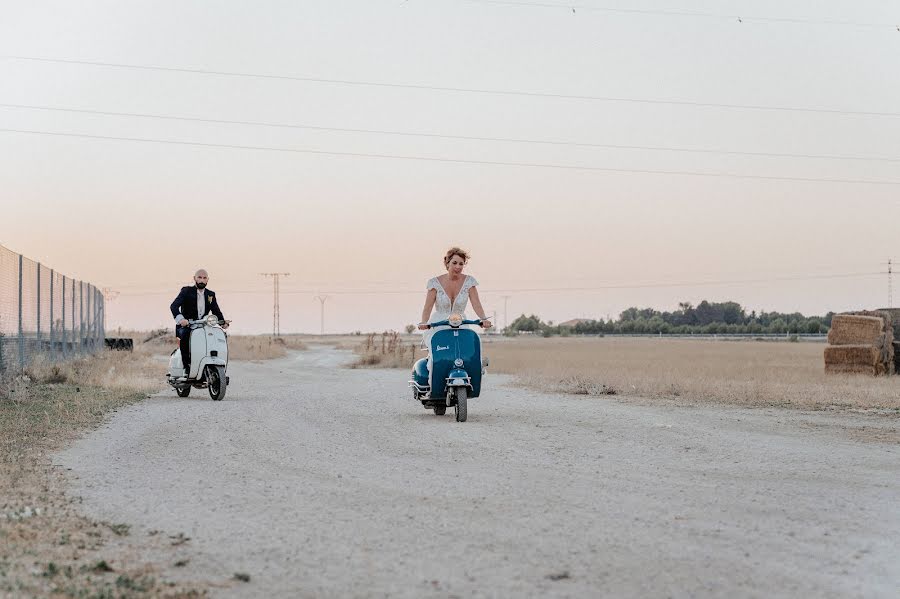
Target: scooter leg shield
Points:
(198, 352)
(176, 366)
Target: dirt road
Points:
(319, 481)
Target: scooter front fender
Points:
(207, 362)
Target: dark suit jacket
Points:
(186, 304)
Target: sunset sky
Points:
(802, 101)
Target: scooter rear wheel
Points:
(440, 410)
(183, 391)
(460, 407)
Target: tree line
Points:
(704, 318)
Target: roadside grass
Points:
(47, 548)
(262, 347)
(746, 373)
(384, 350)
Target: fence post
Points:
(95, 331)
(52, 338)
(101, 319)
(80, 316)
(63, 323)
(38, 306)
(73, 347)
(88, 323)
(21, 337)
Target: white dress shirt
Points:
(201, 303)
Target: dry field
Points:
(262, 347)
(747, 373)
(47, 548)
(386, 350)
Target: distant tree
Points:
(410, 328)
(526, 323)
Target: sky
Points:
(796, 104)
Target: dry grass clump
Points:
(262, 347)
(734, 372)
(48, 548)
(138, 371)
(385, 350)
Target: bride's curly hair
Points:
(455, 251)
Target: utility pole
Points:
(890, 275)
(505, 299)
(322, 299)
(276, 309)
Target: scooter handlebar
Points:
(446, 323)
(204, 321)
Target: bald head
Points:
(201, 278)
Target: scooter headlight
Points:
(212, 319)
(455, 320)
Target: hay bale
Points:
(853, 369)
(851, 330)
(894, 314)
(857, 355)
(848, 329)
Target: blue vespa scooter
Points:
(457, 368)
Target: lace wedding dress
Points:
(444, 307)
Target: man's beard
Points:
(201, 285)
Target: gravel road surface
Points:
(320, 481)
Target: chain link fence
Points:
(45, 313)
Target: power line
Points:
(467, 90)
(614, 286)
(738, 18)
(460, 160)
(445, 136)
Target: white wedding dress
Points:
(444, 307)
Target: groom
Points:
(193, 303)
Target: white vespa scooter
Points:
(209, 359)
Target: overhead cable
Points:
(468, 90)
(611, 287)
(736, 17)
(568, 167)
(446, 136)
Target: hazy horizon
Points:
(722, 214)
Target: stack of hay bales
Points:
(895, 319)
(861, 343)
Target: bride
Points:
(450, 293)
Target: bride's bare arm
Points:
(430, 298)
(476, 305)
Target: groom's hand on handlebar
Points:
(183, 322)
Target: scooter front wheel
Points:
(215, 378)
(440, 410)
(460, 407)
